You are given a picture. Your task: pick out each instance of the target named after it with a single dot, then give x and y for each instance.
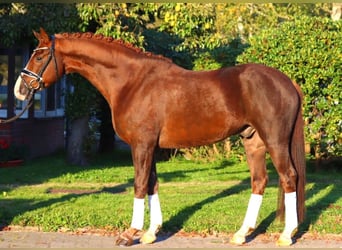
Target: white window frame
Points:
(57, 112)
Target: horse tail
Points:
(297, 152)
(298, 157)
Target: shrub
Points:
(222, 56)
(309, 51)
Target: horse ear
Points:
(43, 37)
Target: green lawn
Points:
(195, 197)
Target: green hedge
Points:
(309, 51)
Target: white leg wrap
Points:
(291, 219)
(138, 213)
(249, 222)
(156, 219)
(252, 211)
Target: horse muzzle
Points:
(23, 89)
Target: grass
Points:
(195, 197)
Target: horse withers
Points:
(155, 103)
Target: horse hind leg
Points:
(255, 152)
(288, 180)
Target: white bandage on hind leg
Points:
(138, 213)
(156, 219)
(252, 211)
(291, 219)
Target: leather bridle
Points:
(35, 78)
(38, 77)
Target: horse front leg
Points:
(154, 207)
(255, 152)
(145, 181)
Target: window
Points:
(11, 63)
(3, 81)
(50, 101)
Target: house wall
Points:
(42, 136)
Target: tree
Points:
(19, 19)
(81, 103)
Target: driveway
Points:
(23, 238)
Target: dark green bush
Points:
(219, 57)
(309, 51)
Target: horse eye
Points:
(39, 58)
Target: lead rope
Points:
(29, 104)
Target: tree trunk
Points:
(106, 143)
(78, 132)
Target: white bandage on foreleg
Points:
(138, 213)
(291, 219)
(156, 219)
(252, 211)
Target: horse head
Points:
(43, 68)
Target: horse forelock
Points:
(111, 40)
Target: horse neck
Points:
(107, 66)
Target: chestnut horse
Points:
(155, 103)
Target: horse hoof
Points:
(124, 240)
(284, 241)
(238, 239)
(148, 238)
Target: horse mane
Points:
(90, 35)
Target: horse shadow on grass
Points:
(313, 211)
(176, 222)
(30, 204)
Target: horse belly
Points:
(190, 133)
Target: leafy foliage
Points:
(248, 19)
(309, 51)
(19, 19)
(82, 100)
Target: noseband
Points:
(37, 77)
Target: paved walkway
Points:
(29, 239)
